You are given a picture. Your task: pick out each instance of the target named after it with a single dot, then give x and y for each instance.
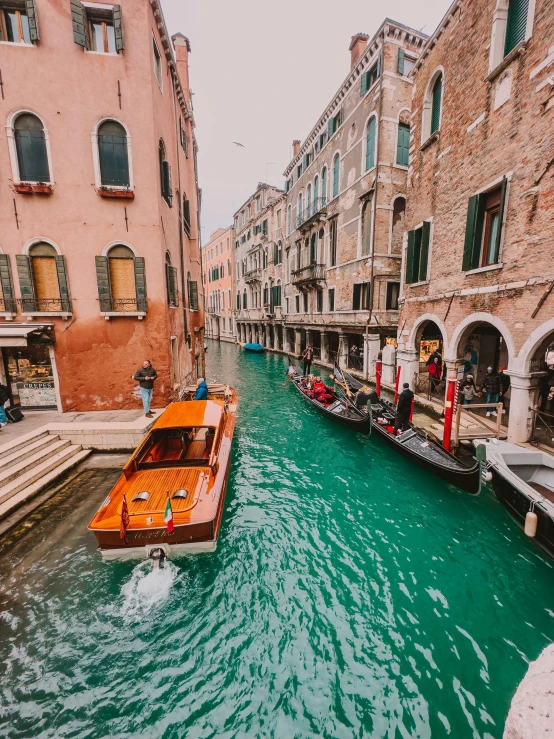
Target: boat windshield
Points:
(177, 447)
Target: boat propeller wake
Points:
(148, 587)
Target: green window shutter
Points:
(403, 145)
(516, 25)
(79, 19)
(26, 282)
(503, 193)
(166, 182)
(424, 251)
(32, 20)
(104, 287)
(436, 105)
(471, 222)
(336, 174)
(330, 127)
(114, 162)
(356, 298)
(6, 282)
(174, 289)
(400, 66)
(324, 187)
(32, 158)
(364, 83)
(63, 283)
(410, 258)
(118, 28)
(193, 295)
(140, 284)
(370, 145)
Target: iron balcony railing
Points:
(8, 305)
(123, 305)
(253, 275)
(311, 209)
(310, 273)
(45, 305)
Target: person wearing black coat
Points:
(403, 409)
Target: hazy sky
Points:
(261, 74)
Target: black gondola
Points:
(415, 443)
(340, 410)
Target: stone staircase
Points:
(28, 466)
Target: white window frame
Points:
(373, 114)
(159, 79)
(498, 31)
(93, 7)
(427, 106)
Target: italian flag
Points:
(168, 517)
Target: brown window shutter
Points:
(122, 280)
(46, 284)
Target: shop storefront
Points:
(27, 366)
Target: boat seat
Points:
(196, 450)
(543, 490)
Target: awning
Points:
(17, 334)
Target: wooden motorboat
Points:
(415, 443)
(523, 481)
(338, 408)
(170, 496)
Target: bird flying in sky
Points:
(237, 143)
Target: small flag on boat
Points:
(124, 520)
(168, 517)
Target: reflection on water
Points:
(351, 595)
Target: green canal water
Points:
(351, 595)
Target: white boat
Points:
(523, 481)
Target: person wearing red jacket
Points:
(434, 370)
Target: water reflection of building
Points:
(98, 205)
(477, 255)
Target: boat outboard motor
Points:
(157, 556)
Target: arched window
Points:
(43, 280)
(436, 105)
(113, 155)
(244, 299)
(300, 208)
(313, 249)
(324, 186)
(398, 213)
(30, 145)
(171, 282)
(266, 295)
(317, 205)
(336, 175)
(165, 174)
(309, 201)
(289, 219)
(370, 144)
(366, 228)
(123, 284)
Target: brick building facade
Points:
(217, 278)
(99, 262)
(477, 254)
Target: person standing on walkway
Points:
(307, 357)
(145, 377)
(491, 387)
(504, 386)
(4, 397)
(403, 409)
(434, 370)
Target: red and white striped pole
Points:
(378, 378)
(449, 408)
(412, 409)
(397, 383)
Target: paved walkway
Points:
(35, 419)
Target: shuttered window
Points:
(324, 186)
(403, 144)
(366, 228)
(42, 280)
(112, 152)
(14, 24)
(333, 242)
(436, 104)
(370, 145)
(171, 282)
(516, 26)
(336, 175)
(7, 303)
(122, 280)
(485, 215)
(193, 294)
(400, 64)
(364, 83)
(417, 257)
(30, 143)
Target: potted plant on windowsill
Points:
(110, 192)
(33, 188)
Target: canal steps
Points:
(28, 467)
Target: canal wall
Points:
(531, 714)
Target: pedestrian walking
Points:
(491, 388)
(307, 357)
(434, 370)
(145, 377)
(468, 393)
(403, 409)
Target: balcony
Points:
(309, 276)
(254, 275)
(50, 306)
(312, 213)
(8, 305)
(131, 307)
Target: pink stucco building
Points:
(99, 251)
(217, 277)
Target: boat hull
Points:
(362, 425)
(517, 504)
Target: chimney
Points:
(181, 44)
(357, 47)
(295, 147)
